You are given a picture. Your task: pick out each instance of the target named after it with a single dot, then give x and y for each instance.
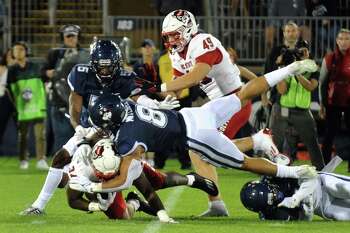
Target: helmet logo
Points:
(183, 17)
(106, 114)
(98, 152)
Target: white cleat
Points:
(303, 66)
(32, 211)
(306, 172)
(24, 165)
(263, 141)
(42, 165)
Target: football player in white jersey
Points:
(199, 58)
(146, 179)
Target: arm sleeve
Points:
(211, 58)
(323, 80)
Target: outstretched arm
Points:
(199, 71)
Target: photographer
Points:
(55, 71)
(291, 118)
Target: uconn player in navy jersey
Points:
(138, 129)
(104, 74)
(327, 195)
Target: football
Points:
(104, 159)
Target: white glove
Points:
(289, 202)
(104, 204)
(164, 217)
(82, 132)
(83, 184)
(169, 102)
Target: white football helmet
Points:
(181, 25)
(104, 159)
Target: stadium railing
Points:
(245, 34)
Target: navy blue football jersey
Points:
(82, 80)
(156, 130)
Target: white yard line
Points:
(169, 204)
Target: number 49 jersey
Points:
(222, 79)
(155, 130)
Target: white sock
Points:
(277, 76)
(286, 171)
(190, 180)
(52, 181)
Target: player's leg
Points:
(220, 151)
(120, 209)
(260, 85)
(53, 178)
(337, 186)
(338, 209)
(237, 121)
(160, 180)
(216, 206)
(215, 113)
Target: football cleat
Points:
(303, 66)
(263, 141)
(217, 210)
(204, 184)
(32, 211)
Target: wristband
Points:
(163, 87)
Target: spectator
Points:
(335, 91)
(7, 106)
(29, 96)
(324, 29)
(55, 71)
(291, 35)
(294, 108)
(290, 39)
(293, 9)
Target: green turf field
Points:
(19, 188)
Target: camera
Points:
(295, 54)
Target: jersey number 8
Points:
(156, 118)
